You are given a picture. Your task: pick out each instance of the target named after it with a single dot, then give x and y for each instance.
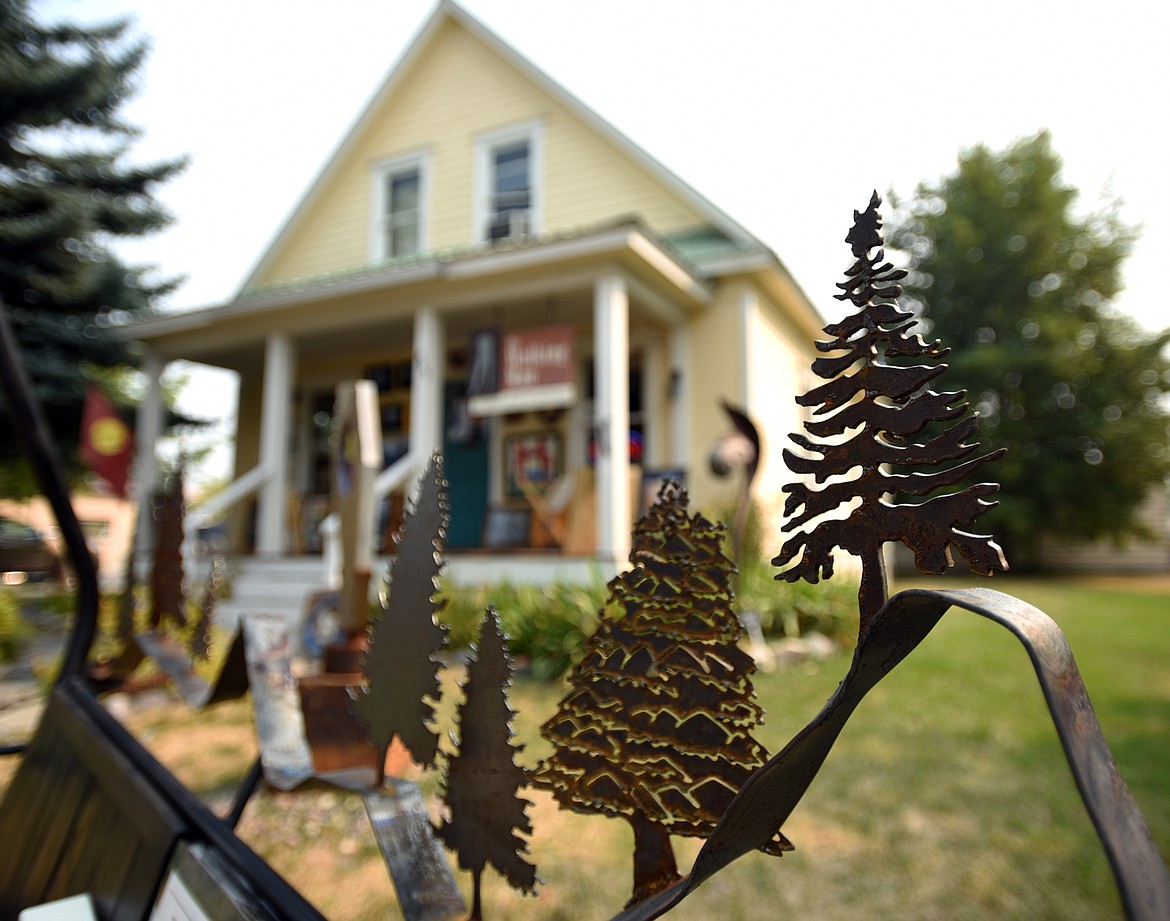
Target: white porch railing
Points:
(396, 475)
(236, 491)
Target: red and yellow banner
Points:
(106, 445)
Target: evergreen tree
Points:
(482, 779)
(871, 417)
(66, 193)
(402, 674)
(656, 726)
(1014, 277)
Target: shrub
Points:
(12, 628)
(795, 608)
(546, 625)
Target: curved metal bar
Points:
(772, 792)
(35, 435)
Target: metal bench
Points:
(90, 810)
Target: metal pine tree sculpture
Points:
(870, 417)
(167, 600)
(482, 779)
(402, 680)
(656, 726)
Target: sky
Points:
(785, 115)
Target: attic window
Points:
(507, 183)
(398, 208)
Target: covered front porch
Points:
(544, 484)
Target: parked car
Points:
(24, 557)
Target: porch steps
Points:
(269, 587)
(282, 586)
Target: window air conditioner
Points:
(511, 225)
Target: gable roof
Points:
(737, 241)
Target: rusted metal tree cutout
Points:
(656, 727)
(482, 778)
(883, 404)
(888, 405)
(402, 681)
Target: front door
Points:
(465, 451)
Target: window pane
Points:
(403, 204)
(403, 240)
(404, 191)
(512, 168)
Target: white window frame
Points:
(380, 177)
(485, 146)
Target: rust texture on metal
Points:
(656, 725)
(201, 637)
(174, 662)
(276, 705)
(481, 781)
(168, 602)
(864, 424)
(335, 735)
(413, 855)
(771, 794)
(401, 668)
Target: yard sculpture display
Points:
(875, 390)
(656, 725)
(482, 779)
(405, 635)
(167, 618)
(872, 414)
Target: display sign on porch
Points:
(536, 370)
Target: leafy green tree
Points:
(1006, 271)
(67, 194)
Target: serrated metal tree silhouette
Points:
(402, 681)
(870, 418)
(656, 726)
(482, 778)
(167, 600)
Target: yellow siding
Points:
(774, 371)
(778, 371)
(461, 88)
(715, 374)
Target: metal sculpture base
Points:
(176, 664)
(415, 858)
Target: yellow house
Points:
(531, 292)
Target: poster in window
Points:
(534, 456)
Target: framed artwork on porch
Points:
(532, 456)
(505, 527)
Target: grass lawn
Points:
(947, 795)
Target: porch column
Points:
(426, 383)
(276, 411)
(147, 430)
(611, 415)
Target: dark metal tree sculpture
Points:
(201, 637)
(402, 680)
(870, 418)
(482, 779)
(656, 727)
(166, 575)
